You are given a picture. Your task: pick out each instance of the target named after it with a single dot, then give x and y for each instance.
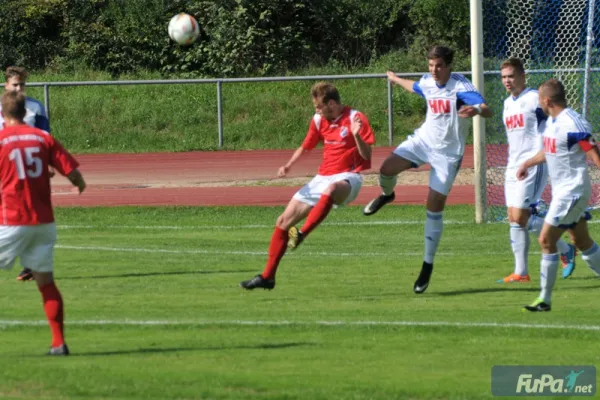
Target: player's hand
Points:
(51, 172)
(522, 173)
(392, 76)
(356, 125)
(283, 171)
(467, 112)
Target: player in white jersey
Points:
(523, 118)
(439, 142)
(15, 78)
(567, 141)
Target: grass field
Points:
(154, 310)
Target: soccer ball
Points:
(183, 29)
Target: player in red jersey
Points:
(16, 78)
(27, 228)
(347, 147)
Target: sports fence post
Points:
(390, 100)
(478, 121)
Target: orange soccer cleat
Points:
(515, 278)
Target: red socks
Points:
(53, 306)
(277, 249)
(317, 214)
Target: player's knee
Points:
(545, 242)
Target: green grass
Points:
(181, 267)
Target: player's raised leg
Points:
(336, 193)
(388, 175)
(294, 212)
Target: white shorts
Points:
(444, 168)
(33, 244)
(312, 191)
(528, 192)
(566, 211)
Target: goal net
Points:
(554, 38)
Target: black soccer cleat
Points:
(258, 282)
(295, 237)
(422, 281)
(61, 350)
(25, 275)
(378, 202)
(539, 305)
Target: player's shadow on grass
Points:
(509, 289)
(150, 350)
(146, 274)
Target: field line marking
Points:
(262, 253)
(498, 325)
(252, 226)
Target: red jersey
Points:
(340, 153)
(25, 154)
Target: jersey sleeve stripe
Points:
(461, 78)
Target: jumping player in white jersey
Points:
(523, 118)
(439, 142)
(567, 141)
(15, 79)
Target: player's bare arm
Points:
(77, 180)
(539, 158)
(364, 149)
(594, 155)
(470, 111)
(407, 84)
(283, 171)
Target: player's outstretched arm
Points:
(539, 158)
(283, 170)
(407, 84)
(77, 180)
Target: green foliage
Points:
(448, 25)
(238, 37)
(30, 32)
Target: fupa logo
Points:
(548, 384)
(513, 380)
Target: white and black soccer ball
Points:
(183, 29)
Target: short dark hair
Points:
(13, 105)
(325, 91)
(442, 52)
(514, 62)
(15, 71)
(555, 91)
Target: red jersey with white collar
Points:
(340, 153)
(25, 154)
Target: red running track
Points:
(182, 179)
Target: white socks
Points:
(548, 270)
(592, 257)
(519, 241)
(433, 232)
(387, 183)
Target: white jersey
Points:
(35, 115)
(523, 119)
(443, 130)
(566, 140)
